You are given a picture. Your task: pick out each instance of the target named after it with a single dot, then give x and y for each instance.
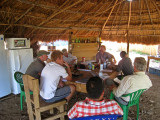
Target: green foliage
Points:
(139, 52)
(156, 61)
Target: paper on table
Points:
(84, 70)
(103, 75)
(83, 81)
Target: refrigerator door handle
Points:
(18, 63)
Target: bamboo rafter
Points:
(19, 18)
(149, 13)
(54, 14)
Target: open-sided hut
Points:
(135, 21)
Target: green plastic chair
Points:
(134, 100)
(18, 78)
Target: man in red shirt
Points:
(94, 104)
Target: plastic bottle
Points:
(89, 66)
(76, 40)
(79, 40)
(104, 65)
(101, 67)
(92, 66)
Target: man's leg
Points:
(120, 100)
(61, 93)
(73, 89)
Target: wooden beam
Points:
(57, 34)
(156, 7)
(19, 18)
(54, 14)
(76, 28)
(121, 17)
(129, 20)
(2, 2)
(55, 28)
(140, 13)
(71, 16)
(129, 17)
(109, 15)
(149, 13)
(115, 16)
(102, 12)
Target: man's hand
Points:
(61, 84)
(66, 64)
(72, 62)
(111, 87)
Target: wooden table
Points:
(81, 87)
(151, 57)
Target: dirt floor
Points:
(149, 104)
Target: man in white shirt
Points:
(51, 86)
(67, 57)
(132, 83)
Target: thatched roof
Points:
(115, 20)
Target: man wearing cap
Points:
(36, 67)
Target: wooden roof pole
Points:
(120, 17)
(156, 6)
(68, 19)
(3, 2)
(108, 18)
(130, 3)
(149, 13)
(19, 18)
(115, 16)
(102, 12)
(54, 14)
(140, 12)
(97, 19)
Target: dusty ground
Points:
(149, 104)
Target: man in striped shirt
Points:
(94, 104)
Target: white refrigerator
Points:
(5, 87)
(18, 60)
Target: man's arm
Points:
(113, 61)
(97, 58)
(61, 83)
(123, 87)
(69, 77)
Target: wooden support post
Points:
(69, 41)
(128, 43)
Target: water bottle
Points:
(92, 66)
(104, 65)
(101, 67)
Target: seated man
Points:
(124, 65)
(103, 56)
(132, 83)
(51, 87)
(36, 67)
(67, 57)
(94, 104)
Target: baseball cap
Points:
(42, 52)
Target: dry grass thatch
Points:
(48, 20)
